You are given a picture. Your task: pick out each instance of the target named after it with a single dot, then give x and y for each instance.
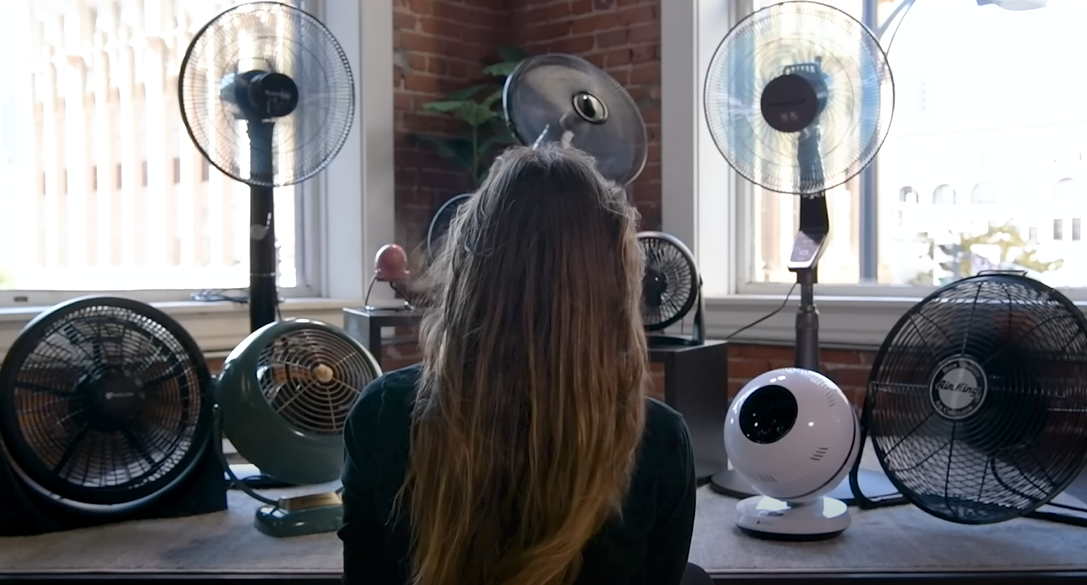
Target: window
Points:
(980, 165)
(104, 190)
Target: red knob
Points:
(391, 263)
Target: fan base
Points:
(768, 518)
(301, 515)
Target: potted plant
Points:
(478, 109)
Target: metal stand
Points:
(263, 296)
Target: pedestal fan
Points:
(268, 98)
(799, 99)
(565, 99)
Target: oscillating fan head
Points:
(558, 98)
(285, 393)
(439, 225)
(799, 97)
(266, 94)
(976, 404)
(105, 405)
(670, 283)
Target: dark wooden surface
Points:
(760, 578)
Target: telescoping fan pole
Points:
(808, 247)
(262, 240)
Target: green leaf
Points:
(512, 54)
(476, 114)
(465, 93)
(443, 147)
(490, 100)
(444, 107)
(500, 69)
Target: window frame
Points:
(852, 316)
(347, 210)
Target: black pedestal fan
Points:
(268, 98)
(563, 98)
(799, 99)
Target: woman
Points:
(523, 450)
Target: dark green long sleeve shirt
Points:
(648, 546)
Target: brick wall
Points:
(441, 45)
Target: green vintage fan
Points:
(282, 400)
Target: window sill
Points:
(217, 327)
(846, 322)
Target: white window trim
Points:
(857, 316)
(353, 202)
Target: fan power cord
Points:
(764, 317)
(219, 295)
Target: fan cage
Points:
(312, 377)
(105, 404)
(853, 124)
(280, 38)
(1018, 349)
(670, 284)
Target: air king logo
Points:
(957, 388)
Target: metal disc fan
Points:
(565, 99)
(105, 405)
(282, 400)
(976, 404)
(671, 287)
(799, 99)
(268, 98)
(439, 224)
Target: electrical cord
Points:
(219, 295)
(764, 317)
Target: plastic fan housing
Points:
(391, 263)
(799, 97)
(793, 434)
(558, 98)
(285, 393)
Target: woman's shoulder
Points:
(666, 434)
(387, 400)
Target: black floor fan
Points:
(799, 99)
(268, 98)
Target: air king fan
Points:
(976, 404)
(268, 98)
(671, 287)
(282, 400)
(799, 99)
(558, 98)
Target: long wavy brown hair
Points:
(531, 404)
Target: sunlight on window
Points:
(104, 189)
(988, 128)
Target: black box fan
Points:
(671, 287)
(977, 401)
(105, 415)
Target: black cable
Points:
(219, 295)
(764, 317)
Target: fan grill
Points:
(105, 400)
(1022, 436)
(312, 378)
(273, 37)
(859, 101)
(669, 287)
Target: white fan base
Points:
(765, 517)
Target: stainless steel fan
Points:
(565, 99)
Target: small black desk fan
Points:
(268, 98)
(565, 99)
(671, 288)
(439, 224)
(799, 99)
